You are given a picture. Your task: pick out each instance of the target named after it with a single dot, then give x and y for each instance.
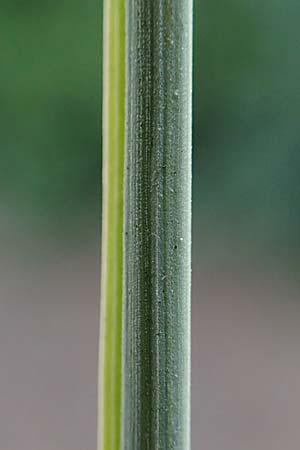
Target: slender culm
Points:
(112, 230)
(157, 228)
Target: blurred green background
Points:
(246, 316)
(246, 116)
(50, 111)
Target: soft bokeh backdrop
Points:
(246, 308)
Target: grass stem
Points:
(157, 238)
(112, 226)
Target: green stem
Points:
(157, 238)
(112, 228)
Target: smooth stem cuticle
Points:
(110, 364)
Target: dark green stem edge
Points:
(157, 226)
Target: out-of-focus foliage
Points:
(246, 112)
(50, 90)
(247, 105)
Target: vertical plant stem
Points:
(157, 238)
(112, 229)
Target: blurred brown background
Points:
(246, 284)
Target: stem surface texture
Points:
(157, 228)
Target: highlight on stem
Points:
(110, 361)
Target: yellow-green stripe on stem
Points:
(110, 366)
